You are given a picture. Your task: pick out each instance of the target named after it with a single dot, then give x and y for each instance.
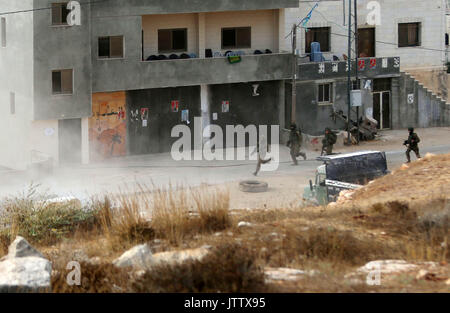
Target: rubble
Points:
(24, 269)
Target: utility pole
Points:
(358, 85)
(294, 74)
(349, 64)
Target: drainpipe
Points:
(349, 63)
(294, 74)
(356, 62)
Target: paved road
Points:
(161, 170)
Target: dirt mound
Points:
(425, 179)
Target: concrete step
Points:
(428, 91)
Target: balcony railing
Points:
(367, 68)
(109, 76)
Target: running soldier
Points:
(295, 143)
(413, 144)
(328, 142)
(261, 149)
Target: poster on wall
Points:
(107, 126)
(225, 106)
(214, 116)
(410, 98)
(174, 106)
(144, 116)
(185, 116)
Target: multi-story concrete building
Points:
(117, 83)
(412, 32)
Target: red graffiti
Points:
(315, 141)
(361, 64)
(373, 63)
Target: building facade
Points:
(412, 91)
(117, 83)
(119, 80)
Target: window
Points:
(62, 82)
(408, 34)
(325, 93)
(110, 47)
(3, 31)
(172, 40)
(320, 35)
(12, 102)
(356, 84)
(59, 13)
(239, 37)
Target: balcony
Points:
(367, 68)
(139, 7)
(109, 76)
(172, 50)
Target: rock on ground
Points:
(24, 269)
(393, 266)
(139, 257)
(179, 257)
(244, 224)
(286, 274)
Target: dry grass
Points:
(123, 226)
(95, 278)
(424, 230)
(176, 215)
(333, 241)
(40, 221)
(172, 218)
(213, 209)
(229, 269)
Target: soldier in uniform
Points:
(261, 149)
(295, 143)
(328, 142)
(413, 144)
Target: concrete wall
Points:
(435, 80)
(190, 72)
(244, 108)
(44, 140)
(16, 75)
(425, 111)
(430, 13)
(264, 25)
(61, 47)
(312, 117)
(155, 135)
(151, 24)
(143, 7)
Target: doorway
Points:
(69, 141)
(366, 42)
(381, 109)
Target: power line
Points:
(49, 8)
(306, 28)
(353, 24)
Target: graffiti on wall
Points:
(107, 126)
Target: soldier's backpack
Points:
(333, 138)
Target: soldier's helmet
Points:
(327, 129)
(410, 129)
(293, 127)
